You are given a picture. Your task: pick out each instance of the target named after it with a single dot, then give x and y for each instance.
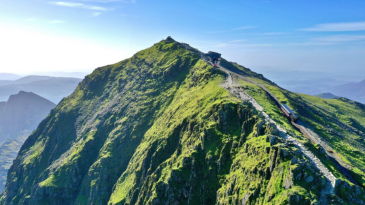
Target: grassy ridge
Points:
(339, 121)
(158, 129)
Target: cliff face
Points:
(19, 116)
(159, 129)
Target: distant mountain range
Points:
(19, 116)
(353, 91)
(9, 76)
(310, 86)
(63, 74)
(52, 88)
(338, 88)
(12, 76)
(327, 96)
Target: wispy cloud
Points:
(275, 33)
(243, 28)
(331, 40)
(340, 38)
(96, 14)
(221, 31)
(311, 43)
(236, 41)
(78, 5)
(352, 26)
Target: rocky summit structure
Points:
(166, 127)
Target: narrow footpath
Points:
(240, 93)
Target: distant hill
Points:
(24, 80)
(310, 86)
(327, 96)
(9, 76)
(19, 116)
(64, 74)
(353, 91)
(52, 88)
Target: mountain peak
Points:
(23, 93)
(23, 97)
(169, 38)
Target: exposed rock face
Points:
(158, 129)
(351, 193)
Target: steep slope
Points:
(334, 128)
(340, 121)
(52, 88)
(19, 116)
(163, 128)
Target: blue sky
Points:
(324, 37)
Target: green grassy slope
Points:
(340, 122)
(158, 129)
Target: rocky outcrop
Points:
(350, 193)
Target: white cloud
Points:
(352, 26)
(96, 14)
(78, 5)
(340, 38)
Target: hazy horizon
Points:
(79, 35)
(291, 43)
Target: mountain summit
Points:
(166, 127)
